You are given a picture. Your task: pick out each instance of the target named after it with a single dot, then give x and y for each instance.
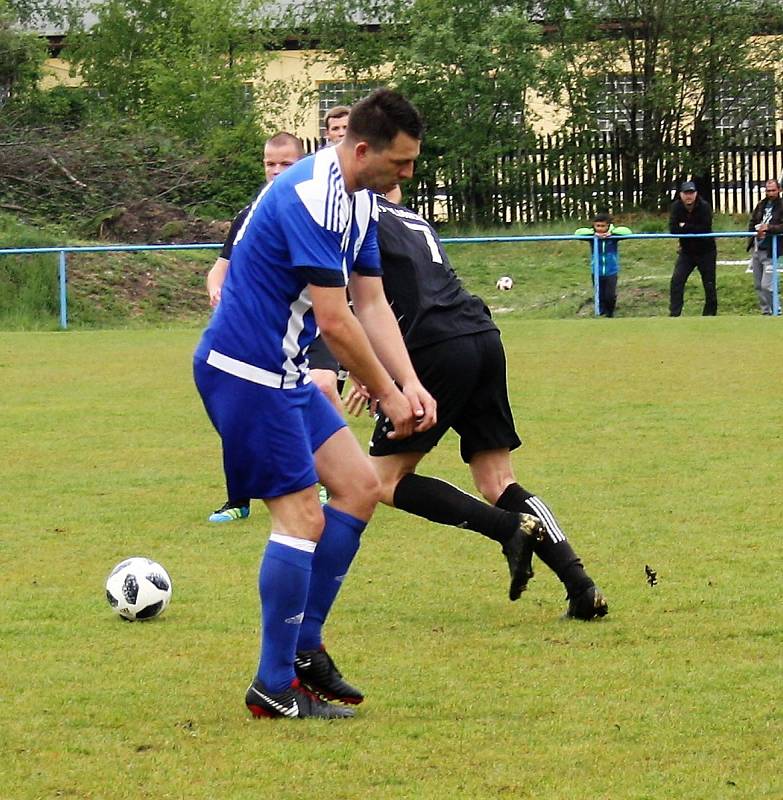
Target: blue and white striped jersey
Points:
(304, 227)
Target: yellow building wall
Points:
(302, 71)
(56, 72)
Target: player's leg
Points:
(682, 269)
(395, 461)
(487, 435)
(707, 271)
(353, 494)
(495, 479)
(609, 289)
(267, 454)
(284, 586)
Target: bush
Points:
(235, 167)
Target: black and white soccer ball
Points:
(138, 588)
(504, 283)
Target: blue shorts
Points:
(268, 435)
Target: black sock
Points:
(441, 502)
(555, 550)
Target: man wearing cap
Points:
(691, 214)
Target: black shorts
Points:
(467, 378)
(319, 357)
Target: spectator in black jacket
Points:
(766, 221)
(691, 214)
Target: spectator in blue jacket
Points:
(608, 264)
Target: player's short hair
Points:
(603, 216)
(282, 138)
(773, 180)
(379, 117)
(335, 113)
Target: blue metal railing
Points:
(62, 253)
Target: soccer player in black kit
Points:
(456, 350)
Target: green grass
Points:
(656, 441)
(552, 279)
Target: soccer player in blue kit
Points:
(308, 234)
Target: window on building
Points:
(342, 93)
(748, 107)
(614, 103)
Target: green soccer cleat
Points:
(229, 512)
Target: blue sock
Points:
(283, 581)
(333, 556)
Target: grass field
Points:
(552, 279)
(656, 441)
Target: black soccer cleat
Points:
(296, 702)
(518, 551)
(587, 605)
(316, 670)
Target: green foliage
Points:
(468, 65)
(21, 56)
(236, 166)
(648, 448)
(183, 65)
(66, 106)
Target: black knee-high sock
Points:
(555, 550)
(441, 502)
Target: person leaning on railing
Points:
(608, 261)
(766, 221)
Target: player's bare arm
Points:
(215, 280)
(349, 344)
(378, 320)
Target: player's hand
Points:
(214, 296)
(357, 400)
(423, 406)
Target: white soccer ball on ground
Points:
(505, 283)
(138, 588)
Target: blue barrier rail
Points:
(62, 253)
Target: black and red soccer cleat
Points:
(296, 702)
(316, 670)
(518, 551)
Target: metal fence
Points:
(62, 255)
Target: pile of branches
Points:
(82, 176)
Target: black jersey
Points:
(427, 297)
(236, 224)
(228, 245)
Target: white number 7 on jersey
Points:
(431, 243)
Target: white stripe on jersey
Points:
(324, 195)
(548, 518)
(291, 348)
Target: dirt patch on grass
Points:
(153, 222)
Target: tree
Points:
(679, 61)
(468, 65)
(185, 64)
(21, 56)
